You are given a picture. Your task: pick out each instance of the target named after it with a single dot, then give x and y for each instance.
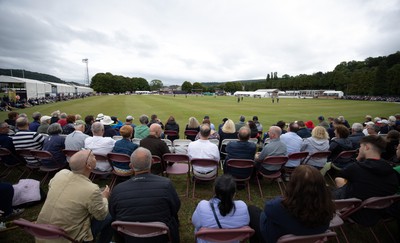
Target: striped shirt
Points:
(28, 140)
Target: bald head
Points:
(141, 160)
(78, 161)
(274, 132)
(244, 134)
(155, 130)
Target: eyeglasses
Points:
(87, 159)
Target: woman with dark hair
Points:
(221, 211)
(392, 140)
(171, 125)
(69, 127)
(306, 208)
(253, 129)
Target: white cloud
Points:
(180, 40)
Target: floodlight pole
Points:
(87, 70)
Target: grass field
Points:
(217, 108)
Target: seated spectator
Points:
(155, 119)
(146, 198)
(373, 129)
(33, 126)
(117, 124)
(108, 130)
(306, 208)
(89, 119)
(124, 146)
(172, 126)
(274, 148)
(322, 122)
(344, 121)
(318, 142)
(63, 119)
(54, 144)
(142, 130)
(356, 135)
(258, 124)
(339, 144)
(213, 133)
(331, 130)
(204, 149)
(12, 118)
(206, 117)
(310, 125)
(370, 176)
(100, 145)
(129, 121)
(44, 124)
(293, 143)
(156, 146)
(228, 131)
(69, 127)
(392, 141)
(221, 211)
(241, 123)
(303, 131)
(383, 126)
(253, 129)
(25, 139)
(242, 149)
(76, 204)
(76, 139)
(7, 142)
(194, 126)
(55, 116)
(220, 125)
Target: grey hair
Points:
(141, 159)
(54, 128)
(97, 127)
(144, 119)
(357, 127)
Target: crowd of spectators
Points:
(373, 98)
(306, 206)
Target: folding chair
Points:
(224, 235)
(26, 154)
(136, 141)
(277, 161)
(295, 156)
(142, 229)
(222, 150)
(117, 172)
(324, 237)
(181, 145)
(180, 166)
(244, 165)
(169, 144)
(42, 155)
(191, 134)
(317, 155)
(171, 134)
(68, 153)
(43, 231)
(342, 208)
(117, 137)
(203, 163)
(156, 161)
(4, 152)
(343, 155)
(376, 203)
(96, 172)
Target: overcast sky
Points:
(198, 41)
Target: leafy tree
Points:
(187, 86)
(198, 87)
(156, 84)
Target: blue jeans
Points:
(102, 227)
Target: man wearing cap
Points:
(129, 122)
(108, 130)
(76, 139)
(44, 124)
(384, 126)
(33, 126)
(76, 204)
(322, 122)
(100, 145)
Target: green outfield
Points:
(217, 108)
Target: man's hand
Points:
(106, 192)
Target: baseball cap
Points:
(44, 118)
(129, 118)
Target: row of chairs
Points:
(152, 229)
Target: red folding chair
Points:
(179, 166)
(324, 237)
(342, 208)
(191, 134)
(241, 165)
(42, 155)
(157, 162)
(43, 231)
(119, 173)
(142, 229)
(279, 162)
(295, 156)
(224, 235)
(26, 154)
(68, 153)
(317, 155)
(203, 163)
(171, 134)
